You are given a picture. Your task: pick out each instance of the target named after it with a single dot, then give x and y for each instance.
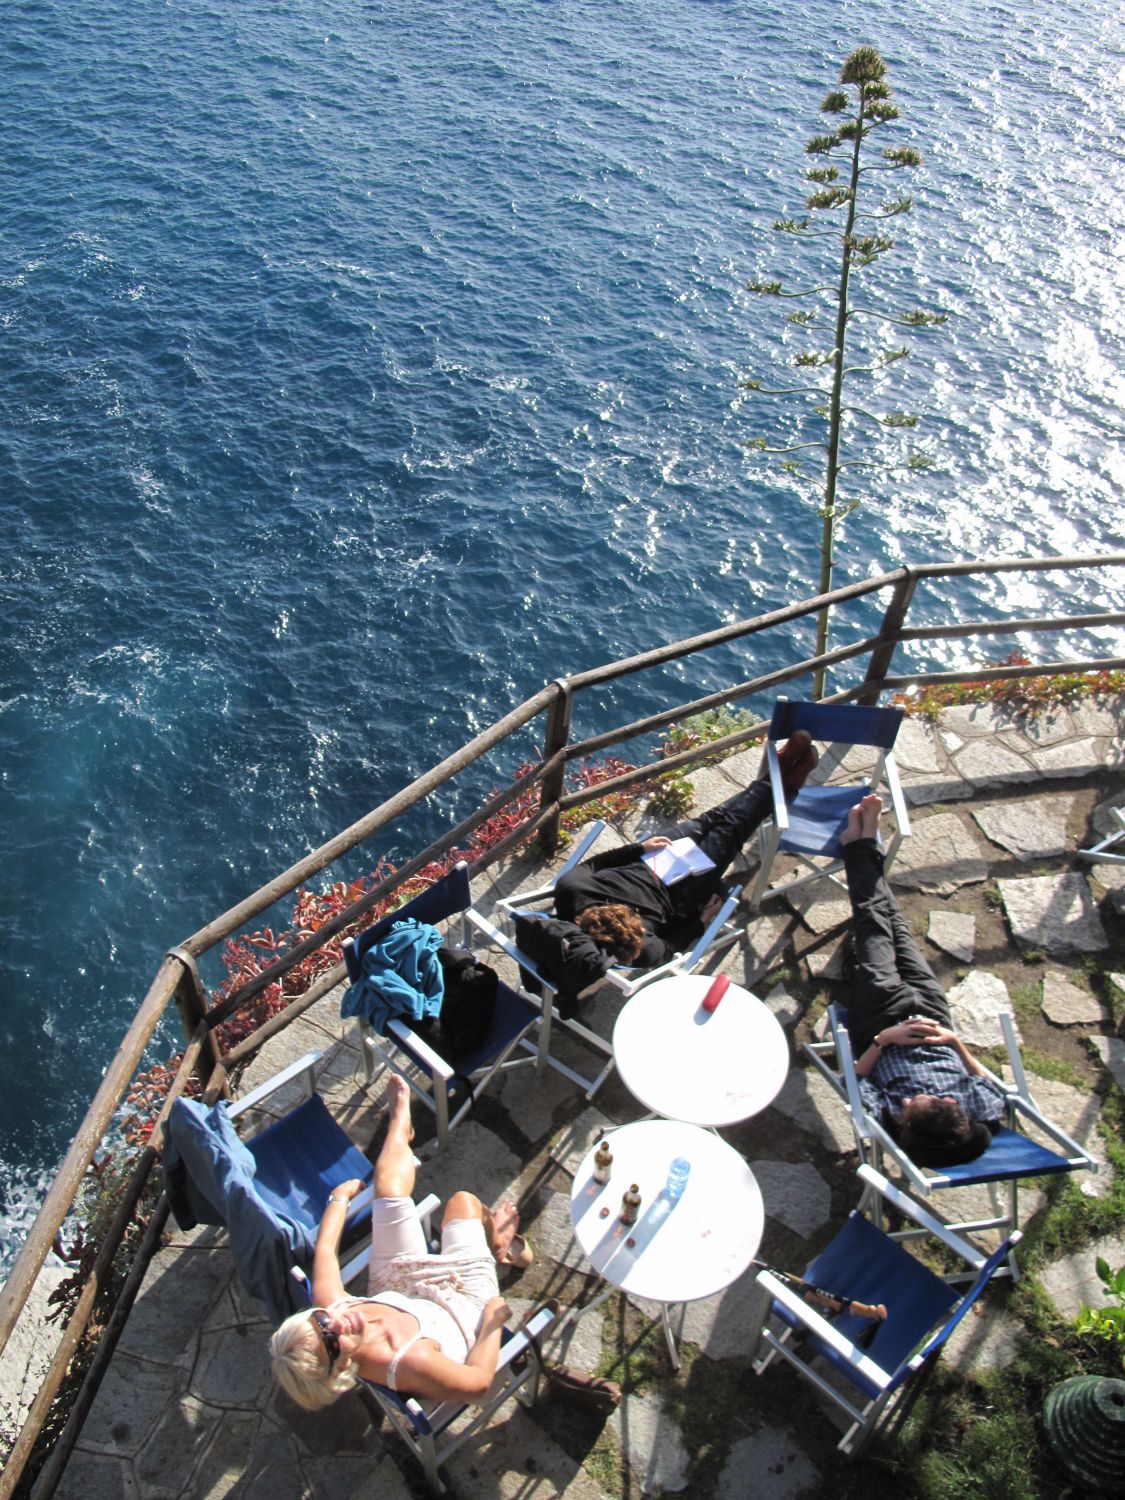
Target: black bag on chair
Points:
(468, 1005)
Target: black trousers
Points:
(720, 833)
(892, 979)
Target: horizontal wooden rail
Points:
(1000, 674)
(374, 897)
(764, 684)
(662, 655)
(1009, 627)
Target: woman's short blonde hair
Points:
(300, 1366)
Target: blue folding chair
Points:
(433, 1430)
(448, 1086)
(869, 1362)
(269, 1192)
(809, 826)
(1013, 1155)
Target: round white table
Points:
(673, 1253)
(706, 1067)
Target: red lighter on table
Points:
(716, 992)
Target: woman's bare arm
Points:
(327, 1286)
(426, 1372)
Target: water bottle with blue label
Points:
(678, 1174)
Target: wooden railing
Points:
(177, 980)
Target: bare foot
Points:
(852, 831)
(398, 1103)
(870, 811)
(797, 758)
(500, 1226)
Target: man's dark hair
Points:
(938, 1133)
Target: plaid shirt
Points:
(929, 1068)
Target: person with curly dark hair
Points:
(915, 1073)
(669, 918)
(616, 928)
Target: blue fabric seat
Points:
(268, 1193)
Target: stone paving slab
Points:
(781, 1470)
(1053, 912)
(1066, 1004)
(1032, 828)
(954, 932)
(1073, 1281)
(976, 1005)
(940, 856)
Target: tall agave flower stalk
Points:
(847, 184)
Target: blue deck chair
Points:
(870, 1362)
(432, 1430)
(809, 826)
(1012, 1157)
(268, 1192)
(717, 935)
(448, 1086)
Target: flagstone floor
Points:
(1010, 919)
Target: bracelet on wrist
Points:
(877, 1044)
(335, 1198)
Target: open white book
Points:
(680, 858)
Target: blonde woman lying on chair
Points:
(430, 1325)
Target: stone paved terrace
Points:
(1008, 917)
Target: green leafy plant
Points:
(860, 107)
(672, 796)
(1106, 1323)
(1026, 697)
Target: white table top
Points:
(709, 1068)
(693, 1249)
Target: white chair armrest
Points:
(714, 927)
(780, 811)
(922, 1216)
(519, 1341)
(400, 1032)
(306, 1064)
(505, 944)
(511, 904)
(898, 800)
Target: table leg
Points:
(670, 1337)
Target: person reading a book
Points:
(642, 917)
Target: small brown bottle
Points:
(603, 1162)
(630, 1204)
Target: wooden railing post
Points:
(191, 1002)
(883, 651)
(555, 740)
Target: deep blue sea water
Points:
(367, 365)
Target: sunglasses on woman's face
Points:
(330, 1340)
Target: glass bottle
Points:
(603, 1162)
(630, 1204)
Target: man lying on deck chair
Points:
(915, 1073)
(626, 913)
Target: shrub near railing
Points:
(1024, 695)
